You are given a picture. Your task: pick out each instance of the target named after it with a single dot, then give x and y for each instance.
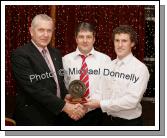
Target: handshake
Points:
(77, 111)
(76, 105)
(74, 111)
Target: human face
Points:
(41, 32)
(123, 45)
(85, 41)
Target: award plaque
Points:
(77, 89)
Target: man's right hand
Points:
(67, 98)
(75, 111)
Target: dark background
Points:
(105, 18)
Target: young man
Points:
(86, 64)
(127, 84)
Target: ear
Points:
(76, 39)
(132, 44)
(94, 40)
(31, 31)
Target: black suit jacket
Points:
(36, 100)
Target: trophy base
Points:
(78, 100)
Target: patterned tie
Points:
(44, 53)
(84, 77)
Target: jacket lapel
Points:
(38, 57)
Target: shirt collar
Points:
(125, 60)
(39, 48)
(78, 53)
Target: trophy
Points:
(77, 89)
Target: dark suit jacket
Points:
(36, 100)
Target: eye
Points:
(124, 40)
(89, 37)
(41, 30)
(49, 31)
(116, 40)
(80, 37)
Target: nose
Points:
(45, 33)
(119, 44)
(84, 39)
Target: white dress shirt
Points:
(96, 61)
(124, 88)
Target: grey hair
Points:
(40, 17)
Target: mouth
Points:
(85, 45)
(44, 40)
(120, 50)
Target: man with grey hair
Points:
(40, 89)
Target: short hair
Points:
(86, 27)
(126, 29)
(40, 17)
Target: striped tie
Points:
(44, 51)
(84, 77)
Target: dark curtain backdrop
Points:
(105, 18)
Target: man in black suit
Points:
(40, 87)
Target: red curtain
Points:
(105, 18)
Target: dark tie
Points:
(44, 53)
(84, 77)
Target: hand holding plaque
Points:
(77, 89)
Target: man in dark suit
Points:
(40, 87)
